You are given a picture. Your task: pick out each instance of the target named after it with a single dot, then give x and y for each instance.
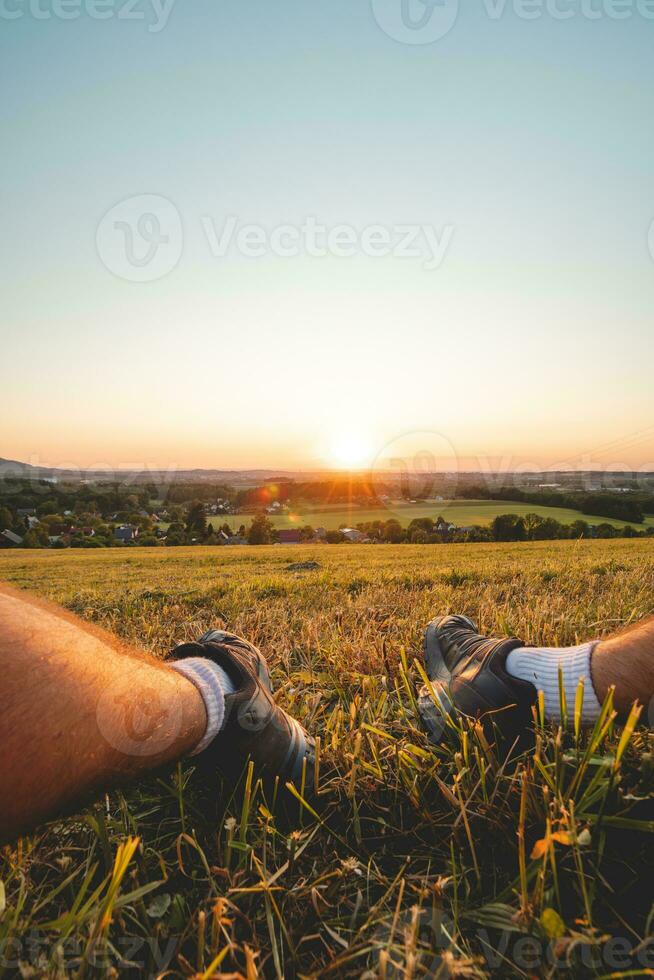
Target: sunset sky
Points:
(525, 146)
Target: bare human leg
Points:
(626, 662)
(80, 711)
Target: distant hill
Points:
(13, 468)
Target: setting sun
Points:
(350, 450)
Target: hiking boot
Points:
(468, 676)
(255, 727)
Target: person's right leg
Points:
(626, 663)
(480, 676)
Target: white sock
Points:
(541, 667)
(213, 683)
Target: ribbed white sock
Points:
(541, 667)
(213, 683)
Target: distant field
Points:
(414, 861)
(460, 512)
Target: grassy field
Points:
(460, 512)
(412, 862)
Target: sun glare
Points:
(350, 450)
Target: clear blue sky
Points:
(532, 140)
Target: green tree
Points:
(421, 524)
(260, 530)
(508, 527)
(579, 529)
(36, 537)
(195, 519)
(176, 534)
(394, 533)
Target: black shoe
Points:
(469, 677)
(255, 727)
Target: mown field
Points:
(412, 861)
(460, 512)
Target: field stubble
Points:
(410, 861)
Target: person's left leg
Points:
(80, 711)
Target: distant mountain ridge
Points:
(17, 469)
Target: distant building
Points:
(289, 536)
(353, 535)
(126, 532)
(10, 540)
(58, 529)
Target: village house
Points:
(289, 536)
(57, 530)
(353, 535)
(10, 540)
(126, 532)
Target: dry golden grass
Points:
(417, 862)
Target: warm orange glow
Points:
(350, 450)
